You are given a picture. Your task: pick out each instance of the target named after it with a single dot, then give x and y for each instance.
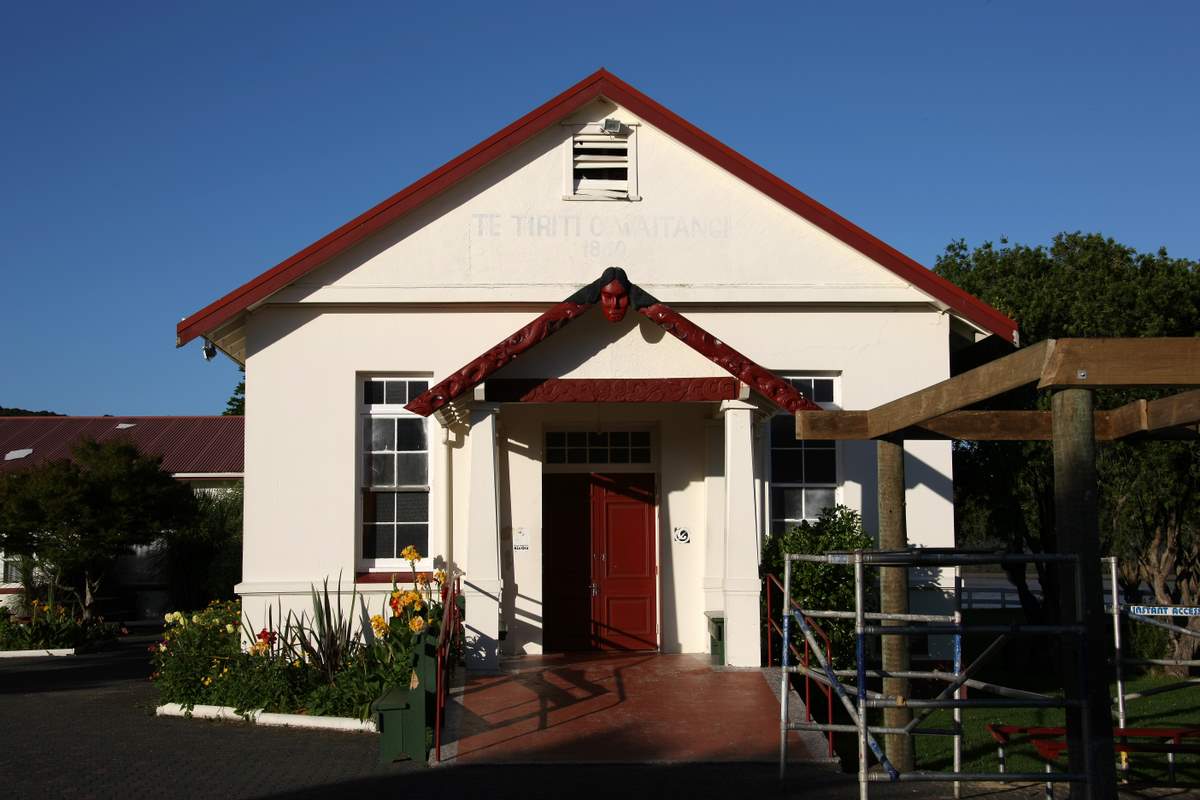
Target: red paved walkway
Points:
(619, 708)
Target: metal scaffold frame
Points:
(950, 697)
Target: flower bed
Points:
(52, 627)
(319, 665)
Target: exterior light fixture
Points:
(612, 125)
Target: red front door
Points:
(624, 567)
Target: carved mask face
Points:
(614, 301)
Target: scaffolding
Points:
(858, 700)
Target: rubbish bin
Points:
(716, 636)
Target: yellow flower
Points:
(229, 629)
(195, 619)
(207, 681)
(422, 579)
(440, 576)
(379, 625)
(417, 624)
(410, 553)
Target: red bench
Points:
(1051, 743)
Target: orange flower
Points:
(417, 624)
(379, 625)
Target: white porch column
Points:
(481, 573)
(742, 585)
(714, 531)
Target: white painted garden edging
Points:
(260, 717)
(61, 651)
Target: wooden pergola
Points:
(1071, 369)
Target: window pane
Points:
(373, 392)
(379, 541)
(412, 469)
(577, 439)
(556, 439)
(412, 506)
(577, 455)
(597, 440)
(639, 455)
(639, 439)
(415, 535)
(598, 455)
(619, 438)
(787, 466)
(396, 394)
(819, 466)
(823, 390)
(783, 431)
(787, 503)
(556, 455)
(410, 434)
(379, 507)
(379, 434)
(805, 385)
(816, 501)
(780, 526)
(417, 387)
(381, 470)
(619, 455)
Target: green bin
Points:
(716, 636)
(403, 714)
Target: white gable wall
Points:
(458, 275)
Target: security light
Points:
(208, 350)
(612, 125)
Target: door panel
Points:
(624, 571)
(566, 562)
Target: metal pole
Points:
(1117, 654)
(783, 671)
(861, 658)
(958, 675)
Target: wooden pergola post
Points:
(893, 586)
(1076, 531)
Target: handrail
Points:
(773, 625)
(450, 629)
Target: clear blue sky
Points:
(153, 156)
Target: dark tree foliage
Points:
(203, 559)
(236, 405)
(21, 412)
(1085, 285)
(74, 517)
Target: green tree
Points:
(236, 405)
(74, 517)
(203, 559)
(1085, 285)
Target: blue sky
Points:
(153, 156)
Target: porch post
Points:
(481, 575)
(742, 583)
(714, 531)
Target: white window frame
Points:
(569, 162)
(772, 484)
(391, 411)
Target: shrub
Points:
(823, 586)
(50, 627)
(317, 667)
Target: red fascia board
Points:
(599, 83)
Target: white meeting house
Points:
(565, 363)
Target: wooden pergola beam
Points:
(1099, 363)
(999, 376)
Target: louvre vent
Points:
(600, 165)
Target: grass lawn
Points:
(1170, 709)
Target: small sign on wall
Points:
(520, 539)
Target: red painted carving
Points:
(477, 371)
(766, 383)
(612, 390)
(614, 301)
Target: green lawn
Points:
(1170, 709)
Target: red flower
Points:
(266, 636)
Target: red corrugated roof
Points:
(599, 84)
(187, 445)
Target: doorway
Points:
(599, 565)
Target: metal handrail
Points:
(808, 679)
(449, 632)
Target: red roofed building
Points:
(564, 362)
